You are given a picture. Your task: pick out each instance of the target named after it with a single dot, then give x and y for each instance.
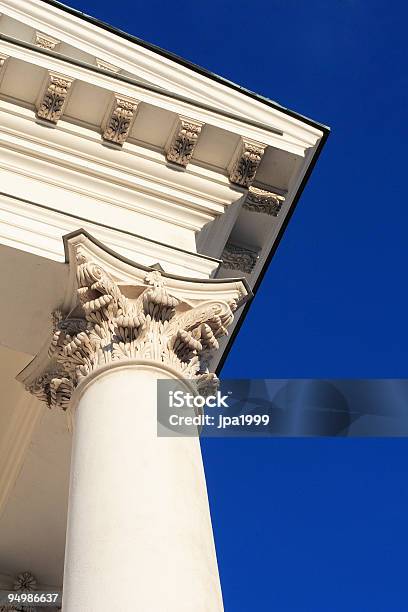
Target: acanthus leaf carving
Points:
(120, 119)
(246, 162)
(181, 147)
(53, 100)
(108, 326)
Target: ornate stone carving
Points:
(106, 66)
(25, 582)
(236, 257)
(53, 100)
(44, 41)
(181, 147)
(261, 201)
(108, 326)
(246, 162)
(120, 119)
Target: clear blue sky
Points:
(313, 525)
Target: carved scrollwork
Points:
(112, 327)
(246, 162)
(53, 100)
(236, 257)
(182, 145)
(120, 119)
(262, 201)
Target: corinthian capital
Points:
(117, 311)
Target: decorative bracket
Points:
(181, 146)
(119, 120)
(53, 98)
(245, 162)
(262, 201)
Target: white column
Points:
(139, 533)
(139, 530)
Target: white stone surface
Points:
(139, 531)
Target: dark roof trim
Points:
(272, 251)
(187, 64)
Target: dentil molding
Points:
(166, 319)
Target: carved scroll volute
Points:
(109, 327)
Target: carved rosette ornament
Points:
(236, 257)
(53, 100)
(120, 119)
(181, 147)
(262, 201)
(106, 327)
(246, 162)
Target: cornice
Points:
(152, 65)
(293, 138)
(188, 199)
(38, 229)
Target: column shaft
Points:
(139, 533)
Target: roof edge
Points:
(191, 65)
